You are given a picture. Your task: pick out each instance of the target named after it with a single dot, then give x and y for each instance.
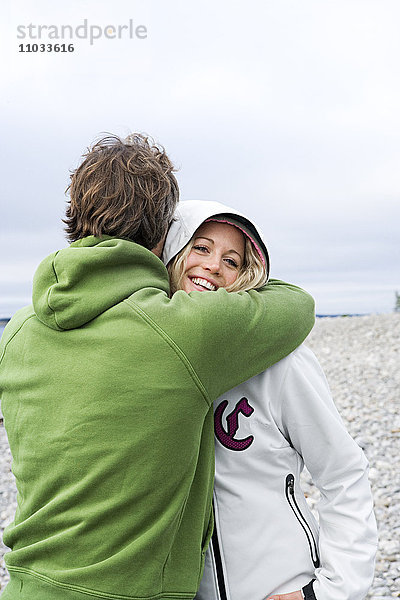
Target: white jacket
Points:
(266, 541)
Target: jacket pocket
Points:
(289, 491)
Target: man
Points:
(106, 388)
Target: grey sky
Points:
(286, 110)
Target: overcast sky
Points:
(286, 110)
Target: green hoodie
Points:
(106, 385)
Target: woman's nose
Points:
(212, 264)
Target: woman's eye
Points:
(231, 262)
(201, 248)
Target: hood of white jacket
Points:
(188, 217)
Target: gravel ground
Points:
(360, 356)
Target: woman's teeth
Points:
(204, 283)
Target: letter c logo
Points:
(227, 437)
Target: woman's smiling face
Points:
(215, 259)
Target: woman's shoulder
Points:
(301, 357)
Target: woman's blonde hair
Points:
(252, 273)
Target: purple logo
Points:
(227, 437)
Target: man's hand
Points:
(292, 596)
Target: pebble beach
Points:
(361, 358)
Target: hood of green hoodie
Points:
(74, 285)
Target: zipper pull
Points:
(290, 484)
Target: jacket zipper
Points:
(218, 563)
(289, 491)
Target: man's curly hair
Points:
(123, 188)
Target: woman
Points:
(266, 541)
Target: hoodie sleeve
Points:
(308, 418)
(230, 337)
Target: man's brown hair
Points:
(123, 188)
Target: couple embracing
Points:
(156, 354)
